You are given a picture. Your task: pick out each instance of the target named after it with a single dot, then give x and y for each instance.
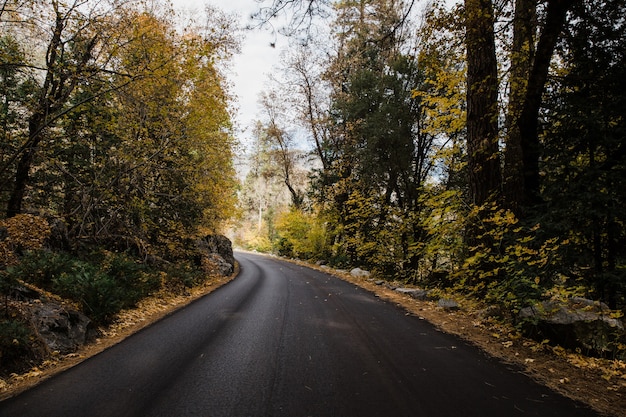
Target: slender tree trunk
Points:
(482, 95)
(522, 54)
(24, 163)
(528, 121)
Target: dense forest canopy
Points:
(477, 145)
(116, 120)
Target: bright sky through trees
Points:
(248, 74)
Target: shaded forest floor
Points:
(600, 383)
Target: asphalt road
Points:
(284, 340)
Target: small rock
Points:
(358, 272)
(416, 293)
(379, 282)
(448, 304)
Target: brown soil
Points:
(600, 383)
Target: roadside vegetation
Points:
(476, 149)
(116, 156)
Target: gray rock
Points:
(215, 254)
(416, 293)
(358, 272)
(215, 264)
(218, 244)
(448, 304)
(61, 329)
(577, 323)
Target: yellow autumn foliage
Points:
(21, 232)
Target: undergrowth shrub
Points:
(302, 235)
(135, 279)
(102, 284)
(41, 267)
(14, 341)
(183, 274)
(97, 293)
(511, 265)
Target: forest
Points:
(116, 152)
(475, 146)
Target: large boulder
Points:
(576, 323)
(61, 329)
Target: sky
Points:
(249, 69)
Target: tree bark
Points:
(482, 99)
(522, 55)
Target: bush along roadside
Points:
(52, 302)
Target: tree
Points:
(527, 123)
(262, 196)
(281, 144)
(167, 172)
(16, 92)
(137, 152)
(303, 73)
(585, 156)
(482, 102)
(379, 153)
(303, 13)
(74, 40)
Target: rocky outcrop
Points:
(576, 323)
(214, 264)
(61, 329)
(216, 254)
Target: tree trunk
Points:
(24, 163)
(528, 121)
(482, 109)
(522, 55)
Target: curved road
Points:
(284, 340)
